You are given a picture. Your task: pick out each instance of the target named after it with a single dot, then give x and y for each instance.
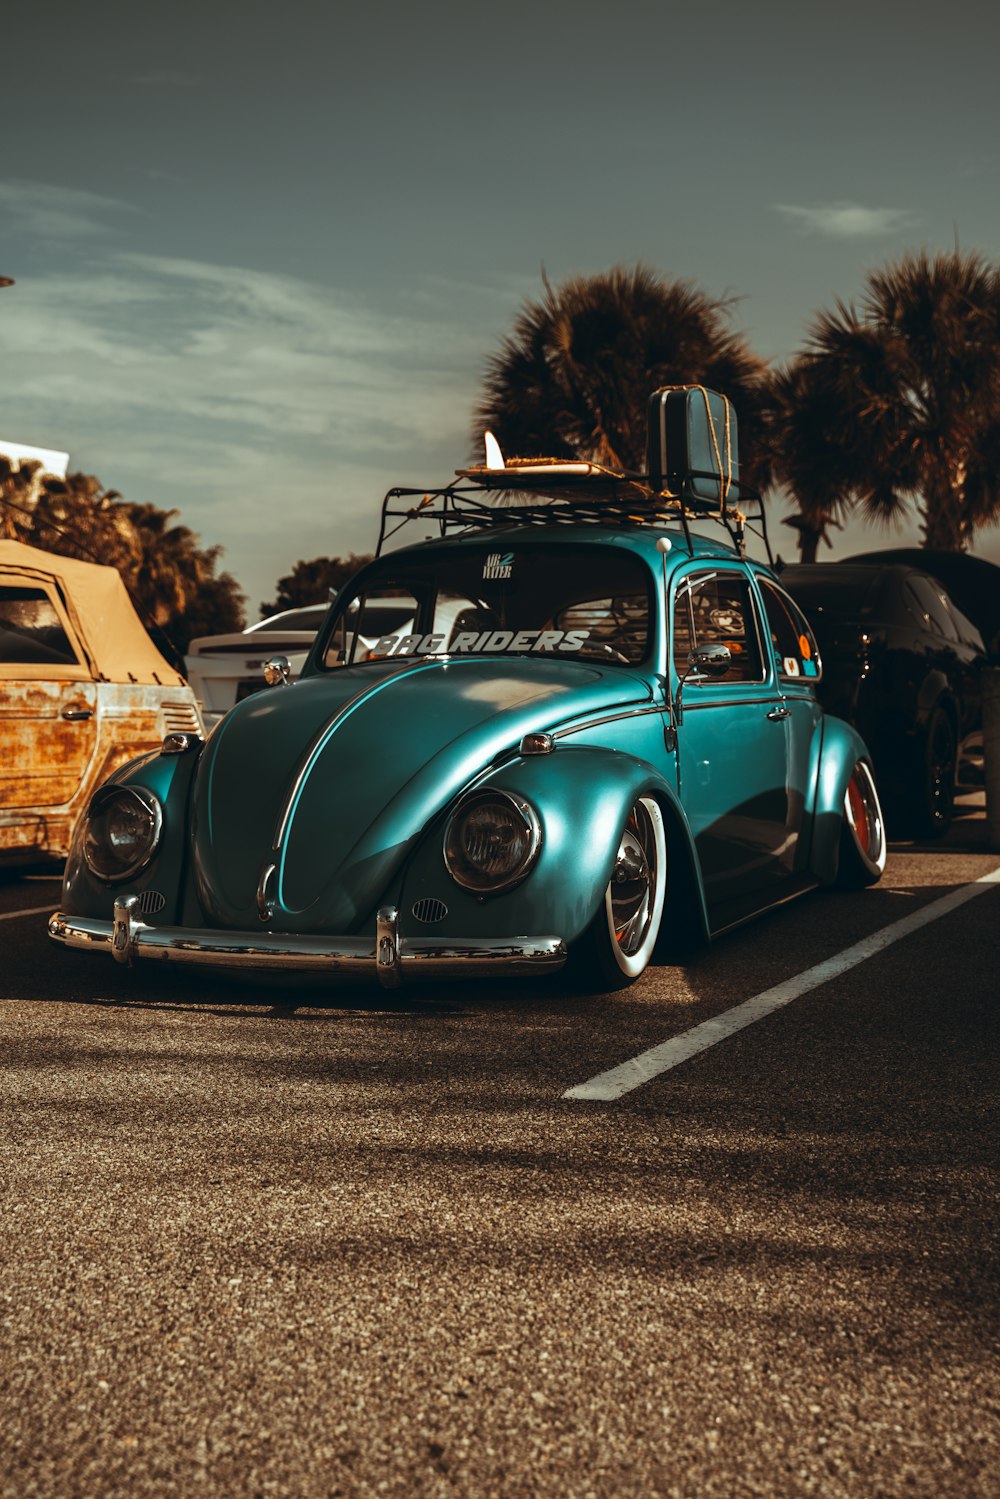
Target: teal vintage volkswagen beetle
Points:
(569, 725)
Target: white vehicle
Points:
(224, 669)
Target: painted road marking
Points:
(31, 911)
(610, 1085)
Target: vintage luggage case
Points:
(692, 432)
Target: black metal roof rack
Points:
(556, 493)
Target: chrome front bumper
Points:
(391, 956)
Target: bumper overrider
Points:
(391, 956)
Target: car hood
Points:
(331, 778)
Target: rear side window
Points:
(31, 632)
(793, 643)
(931, 606)
(717, 609)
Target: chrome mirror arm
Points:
(705, 660)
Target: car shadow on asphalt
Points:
(767, 950)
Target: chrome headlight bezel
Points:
(456, 855)
(137, 800)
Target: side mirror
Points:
(277, 671)
(708, 661)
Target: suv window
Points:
(31, 632)
(717, 608)
(793, 643)
(932, 607)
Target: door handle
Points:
(77, 715)
(777, 714)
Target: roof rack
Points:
(552, 492)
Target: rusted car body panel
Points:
(67, 719)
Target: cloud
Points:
(234, 350)
(41, 210)
(272, 410)
(847, 220)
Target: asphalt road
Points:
(268, 1242)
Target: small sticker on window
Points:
(498, 565)
(791, 666)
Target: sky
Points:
(263, 251)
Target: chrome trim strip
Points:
(594, 723)
(732, 702)
(416, 957)
(371, 689)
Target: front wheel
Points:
(862, 833)
(619, 942)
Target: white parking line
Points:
(31, 911)
(610, 1085)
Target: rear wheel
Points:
(862, 833)
(619, 942)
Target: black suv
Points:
(902, 664)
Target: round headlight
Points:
(492, 841)
(122, 831)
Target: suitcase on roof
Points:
(692, 443)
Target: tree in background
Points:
(573, 378)
(910, 383)
(808, 452)
(170, 577)
(312, 582)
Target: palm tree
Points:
(169, 575)
(574, 376)
(808, 452)
(912, 381)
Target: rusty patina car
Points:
(83, 690)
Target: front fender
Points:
(582, 796)
(842, 747)
(168, 777)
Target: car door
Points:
(731, 745)
(797, 665)
(48, 701)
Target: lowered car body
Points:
(587, 739)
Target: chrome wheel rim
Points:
(633, 883)
(864, 816)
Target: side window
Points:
(717, 608)
(932, 607)
(31, 632)
(793, 643)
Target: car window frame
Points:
(763, 580)
(703, 568)
(47, 671)
(317, 662)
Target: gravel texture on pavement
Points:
(306, 1243)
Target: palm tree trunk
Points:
(943, 508)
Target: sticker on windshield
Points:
(485, 642)
(791, 666)
(498, 565)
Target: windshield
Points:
(579, 603)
